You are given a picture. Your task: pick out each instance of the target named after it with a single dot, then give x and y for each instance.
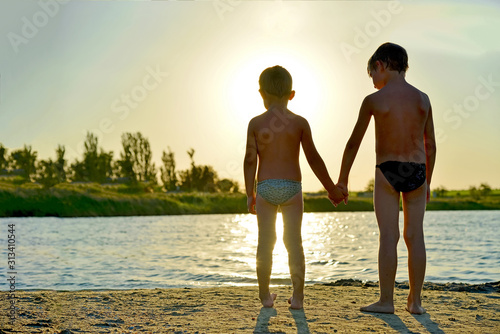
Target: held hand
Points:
(336, 196)
(345, 192)
(251, 204)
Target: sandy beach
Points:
(333, 308)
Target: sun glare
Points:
(243, 85)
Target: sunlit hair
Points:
(393, 55)
(276, 81)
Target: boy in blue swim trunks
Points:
(405, 152)
(273, 144)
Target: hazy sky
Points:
(185, 74)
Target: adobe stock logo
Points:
(31, 27)
(362, 37)
(223, 6)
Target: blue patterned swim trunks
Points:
(278, 191)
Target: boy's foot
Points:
(414, 305)
(269, 300)
(378, 307)
(416, 309)
(295, 303)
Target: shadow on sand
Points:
(263, 319)
(265, 315)
(431, 326)
(300, 321)
(392, 320)
(397, 324)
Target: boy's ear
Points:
(380, 66)
(292, 95)
(262, 93)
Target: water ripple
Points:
(212, 250)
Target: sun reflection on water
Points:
(214, 250)
(331, 245)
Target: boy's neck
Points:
(394, 77)
(276, 103)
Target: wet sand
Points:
(332, 308)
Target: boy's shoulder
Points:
(416, 90)
(256, 119)
(423, 95)
(278, 117)
(406, 95)
(386, 91)
(420, 97)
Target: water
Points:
(213, 250)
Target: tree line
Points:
(483, 190)
(134, 166)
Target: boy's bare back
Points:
(401, 114)
(278, 134)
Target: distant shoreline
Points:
(94, 200)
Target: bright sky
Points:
(185, 74)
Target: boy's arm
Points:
(430, 149)
(249, 168)
(317, 164)
(352, 146)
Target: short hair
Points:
(276, 81)
(393, 55)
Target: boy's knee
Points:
(412, 237)
(267, 240)
(389, 236)
(291, 242)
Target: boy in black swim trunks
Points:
(406, 152)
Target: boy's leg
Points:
(266, 218)
(414, 208)
(386, 203)
(292, 224)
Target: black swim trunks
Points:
(403, 176)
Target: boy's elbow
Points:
(312, 156)
(249, 161)
(315, 161)
(250, 156)
(351, 145)
(430, 147)
(247, 164)
(430, 155)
